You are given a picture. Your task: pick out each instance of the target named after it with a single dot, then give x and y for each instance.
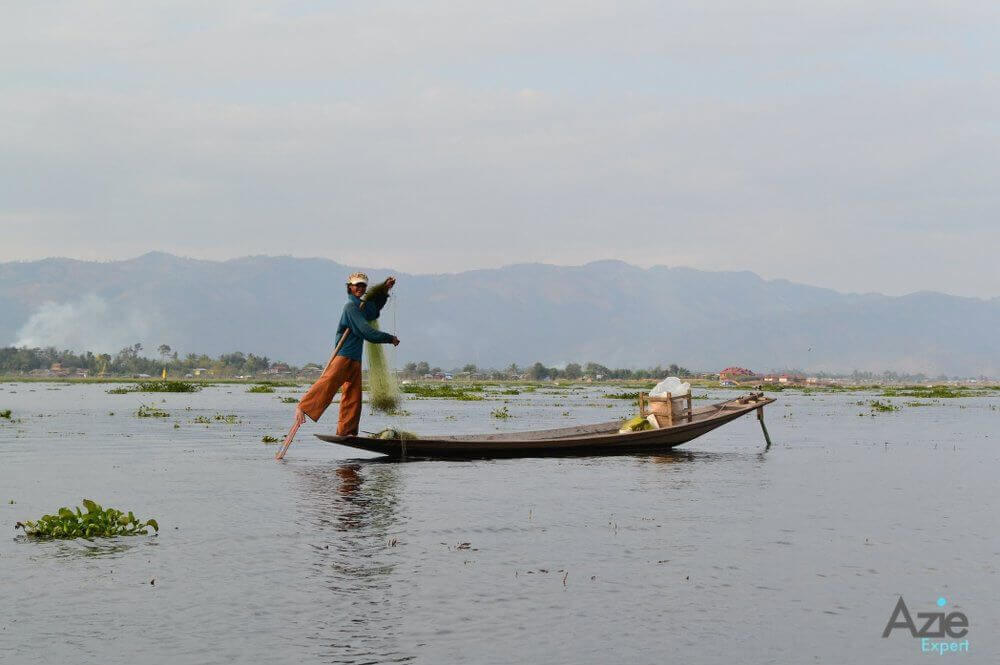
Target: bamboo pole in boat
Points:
(767, 437)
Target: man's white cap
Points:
(357, 278)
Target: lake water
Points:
(720, 552)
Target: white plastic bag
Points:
(671, 385)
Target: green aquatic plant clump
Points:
(151, 411)
(228, 418)
(940, 392)
(156, 387)
(444, 391)
(97, 522)
(631, 396)
(166, 387)
(501, 414)
(5, 414)
(383, 391)
(882, 407)
(262, 388)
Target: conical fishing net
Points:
(383, 391)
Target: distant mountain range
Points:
(608, 312)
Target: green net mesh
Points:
(383, 390)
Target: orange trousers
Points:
(343, 373)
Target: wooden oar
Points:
(299, 420)
(767, 437)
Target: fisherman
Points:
(344, 371)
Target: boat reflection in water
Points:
(352, 510)
(675, 456)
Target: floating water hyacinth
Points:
(97, 522)
(165, 387)
(156, 387)
(151, 411)
(445, 391)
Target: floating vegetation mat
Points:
(383, 391)
(228, 418)
(263, 388)
(97, 522)
(151, 411)
(882, 407)
(156, 387)
(165, 387)
(632, 396)
(267, 438)
(5, 414)
(927, 392)
(445, 391)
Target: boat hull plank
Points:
(599, 439)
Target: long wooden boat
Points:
(599, 439)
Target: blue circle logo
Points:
(942, 602)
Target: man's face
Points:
(359, 289)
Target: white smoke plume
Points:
(88, 324)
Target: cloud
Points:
(787, 139)
(89, 323)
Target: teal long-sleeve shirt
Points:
(356, 318)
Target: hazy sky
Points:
(847, 144)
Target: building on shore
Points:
(784, 379)
(736, 375)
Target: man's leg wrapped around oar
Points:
(343, 374)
